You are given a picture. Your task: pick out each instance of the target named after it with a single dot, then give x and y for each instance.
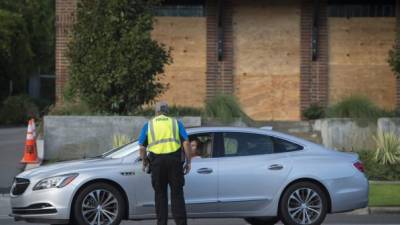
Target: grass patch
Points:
(384, 195)
(356, 107)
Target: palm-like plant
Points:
(120, 140)
(388, 148)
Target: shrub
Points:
(394, 60)
(71, 108)
(115, 64)
(224, 108)
(120, 140)
(18, 109)
(388, 148)
(377, 171)
(175, 111)
(355, 107)
(313, 112)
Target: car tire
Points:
(262, 221)
(87, 208)
(308, 203)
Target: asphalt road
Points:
(11, 152)
(331, 220)
(336, 219)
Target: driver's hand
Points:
(186, 168)
(145, 164)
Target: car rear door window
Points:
(244, 144)
(281, 145)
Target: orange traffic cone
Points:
(30, 151)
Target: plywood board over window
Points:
(266, 37)
(186, 76)
(358, 53)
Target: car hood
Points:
(69, 167)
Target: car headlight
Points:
(55, 182)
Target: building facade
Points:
(276, 56)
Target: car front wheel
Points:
(99, 204)
(262, 221)
(303, 203)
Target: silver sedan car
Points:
(260, 175)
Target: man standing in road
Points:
(164, 136)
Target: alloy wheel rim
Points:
(99, 207)
(305, 206)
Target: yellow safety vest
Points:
(163, 135)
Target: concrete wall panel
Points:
(74, 137)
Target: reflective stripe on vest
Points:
(163, 135)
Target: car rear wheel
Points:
(303, 203)
(262, 221)
(99, 204)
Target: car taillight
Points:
(359, 166)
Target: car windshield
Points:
(122, 151)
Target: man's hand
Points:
(145, 164)
(186, 168)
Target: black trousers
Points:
(166, 169)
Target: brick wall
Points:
(219, 72)
(65, 14)
(314, 74)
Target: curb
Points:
(4, 195)
(375, 211)
(384, 210)
(383, 182)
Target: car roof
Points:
(265, 131)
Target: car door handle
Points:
(275, 167)
(204, 170)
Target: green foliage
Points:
(224, 108)
(377, 171)
(115, 65)
(394, 60)
(313, 112)
(388, 148)
(120, 140)
(15, 51)
(26, 42)
(175, 111)
(358, 107)
(74, 108)
(18, 110)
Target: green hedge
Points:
(376, 171)
(358, 107)
(18, 110)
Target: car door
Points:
(250, 175)
(200, 184)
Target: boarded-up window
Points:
(361, 8)
(187, 8)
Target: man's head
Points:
(161, 108)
